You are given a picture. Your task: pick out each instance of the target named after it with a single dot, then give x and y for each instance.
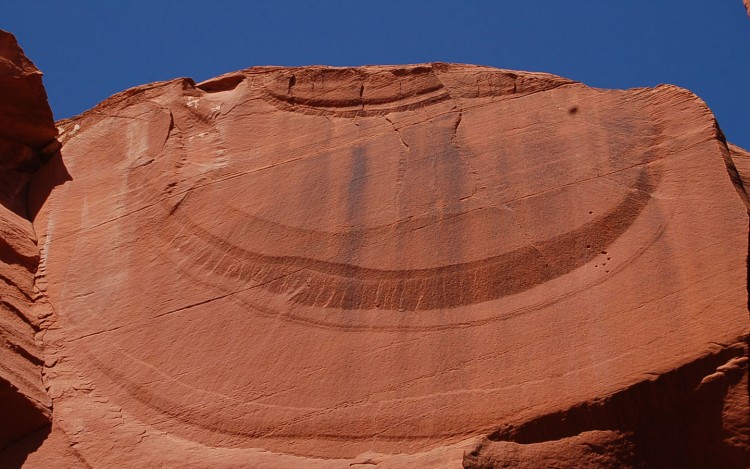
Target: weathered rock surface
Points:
(420, 266)
(26, 127)
(428, 265)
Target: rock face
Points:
(26, 128)
(420, 266)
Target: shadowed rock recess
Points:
(433, 265)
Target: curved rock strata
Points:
(411, 266)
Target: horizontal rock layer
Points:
(27, 131)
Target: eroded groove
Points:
(225, 83)
(448, 286)
(8, 255)
(349, 108)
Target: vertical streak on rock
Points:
(446, 333)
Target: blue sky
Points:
(89, 50)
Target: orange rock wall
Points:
(433, 265)
(341, 265)
(26, 132)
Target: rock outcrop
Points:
(417, 266)
(27, 137)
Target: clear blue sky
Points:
(89, 50)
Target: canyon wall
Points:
(433, 265)
(27, 137)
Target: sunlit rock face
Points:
(433, 265)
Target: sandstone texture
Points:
(432, 265)
(27, 132)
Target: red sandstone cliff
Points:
(27, 133)
(433, 265)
